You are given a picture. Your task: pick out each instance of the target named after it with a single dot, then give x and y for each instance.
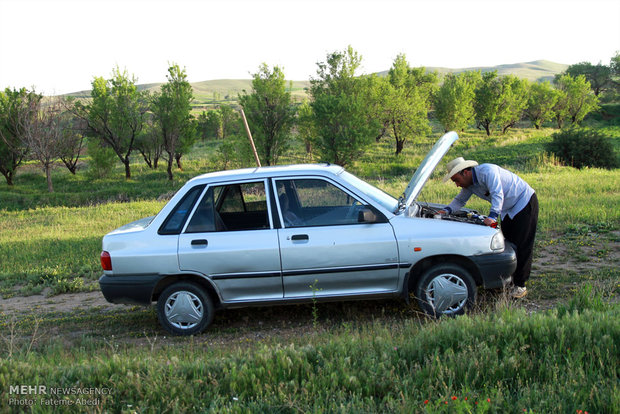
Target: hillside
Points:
(215, 91)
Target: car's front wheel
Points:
(184, 309)
(445, 289)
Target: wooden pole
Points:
(247, 130)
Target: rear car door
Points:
(325, 249)
(230, 238)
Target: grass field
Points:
(557, 351)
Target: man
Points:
(511, 198)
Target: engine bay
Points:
(429, 210)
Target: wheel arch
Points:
(199, 280)
(418, 269)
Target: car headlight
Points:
(497, 242)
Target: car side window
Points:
(176, 219)
(232, 207)
(316, 202)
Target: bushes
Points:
(584, 147)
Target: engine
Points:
(427, 210)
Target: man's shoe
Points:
(518, 292)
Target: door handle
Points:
(200, 242)
(300, 237)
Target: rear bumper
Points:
(496, 269)
(128, 289)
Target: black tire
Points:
(185, 309)
(445, 289)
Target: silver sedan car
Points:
(292, 234)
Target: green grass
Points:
(561, 361)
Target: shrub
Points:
(583, 147)
(102, 159)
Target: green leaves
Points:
(270, 113)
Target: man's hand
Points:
(490, 222)
(442, 212)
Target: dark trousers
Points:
(521, 231)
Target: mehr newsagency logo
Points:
(30, 395)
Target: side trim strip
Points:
(304, 272)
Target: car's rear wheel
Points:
(184, 309)
(445, 289)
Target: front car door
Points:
(325, 249)
(230, 238)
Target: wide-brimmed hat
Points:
(457, 165)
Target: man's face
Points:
(462, 179)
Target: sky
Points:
(59, 46)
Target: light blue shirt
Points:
(507, 193)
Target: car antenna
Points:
(247, 130)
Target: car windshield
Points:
(384, 199)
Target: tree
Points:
(231, 121)
(73, 138)
(269, 112)
(488, 99)
(541, 100)
(513, 101)
(14, 105)
(210, 124)
(116, 113)
(579, 98)
(599, 76)
(150, 142)
(500, 101)
(454, 101)
(171, 109)
(404, 101)
(306, 127)
(43, 126)
(342, 117)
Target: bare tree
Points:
(43, 125)
(73, 138)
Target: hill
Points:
(212, 92)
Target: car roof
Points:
(272, 171)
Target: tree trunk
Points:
(169, 169)
(487, 128)
(127, 170)
(177, 157)
(399, 146)
(9, 177)
(48, 175)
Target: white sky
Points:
(58, 46)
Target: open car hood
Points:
(426, 168)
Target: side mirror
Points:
(367, 215)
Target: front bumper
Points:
(496, 269)
(128, 289)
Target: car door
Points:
(231, 239)
(325, 249)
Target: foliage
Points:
(150, 142)
(14, 109)
(541, 101)
(115, 114)
(172, 114)
(102, 159)
(306, 128)
(514, 97)
(343, 122)
(598, 76)
(584, 147)
(454, 101)
(577, 99)
(403, 101)
(270, 113)
(500, 101)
